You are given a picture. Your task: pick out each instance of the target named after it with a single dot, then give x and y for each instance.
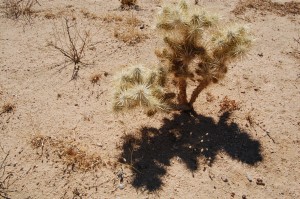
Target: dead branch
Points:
(5, 178)
(72, 44)
(14, 9)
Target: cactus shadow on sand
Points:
(189, 137)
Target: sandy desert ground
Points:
(61, 139)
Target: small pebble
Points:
(121, 186)
(249, 178)
(224, 179)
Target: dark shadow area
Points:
(188, 137)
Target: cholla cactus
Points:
(140, 86)
(197, 49)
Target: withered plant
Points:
(68, 152)
(129, 4)
(228, 105)
(197, 49)
(14, 9)
(94, 79)
(7, 178)
(296, 50)
(128, 30)
(72, 43)
(7, 108)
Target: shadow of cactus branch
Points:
(189, 138)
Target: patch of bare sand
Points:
(251, 152)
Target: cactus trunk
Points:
(182, 96)
(197, 91)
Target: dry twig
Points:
(72, 44)
(14, 9)
(6, 178)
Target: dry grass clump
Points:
(127, 28)
(87, 14)
(6, 177)
(64, 12)
(228, 105)
(129, 31)
(14, 9)
(68, 152)
(112, 18)
(280, 9)
(94, 79)
(129, 4)
(131, 37)
(50, 15)
(8, 108)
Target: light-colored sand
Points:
(265, 84)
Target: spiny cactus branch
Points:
(191, 37)
(139, 86)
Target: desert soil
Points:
(60, 138)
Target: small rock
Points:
(244, 197)
(260, 182)
(224, 179)
(249, 178)
(121, 186)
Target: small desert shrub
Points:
(129, 4)
(68, 152)
(129, 31)
(281, 9)
(14, 9)
(112, 18)
(130, 36)
(50, 15)
(72, 43)
(87, 14)
(8, 108)
(228, 105)
(7, 178)
(94, 79)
